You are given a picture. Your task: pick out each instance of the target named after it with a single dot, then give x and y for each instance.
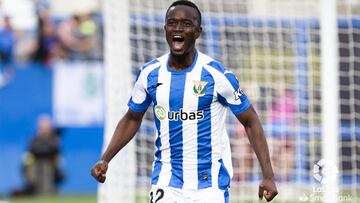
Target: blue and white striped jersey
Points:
(192, 146)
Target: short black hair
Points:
(185, 3)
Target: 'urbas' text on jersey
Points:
(161, 114)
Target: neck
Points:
(180, 62)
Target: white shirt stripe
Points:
(190, 144)
(162, 94)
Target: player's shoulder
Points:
(155, 62)
(150, 64)
(145, 69)
(213, 65)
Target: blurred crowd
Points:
(77, 38)
(54, 38)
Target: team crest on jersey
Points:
(199, 88)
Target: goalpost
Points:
(285, 56)
(330, 91)
(121, 175)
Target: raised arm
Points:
(255, 132)
(124, 132)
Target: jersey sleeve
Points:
(230, 93)
(140, 99)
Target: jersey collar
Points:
(185, 70)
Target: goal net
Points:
(274, 48)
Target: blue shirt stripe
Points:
(153, 79)
(176, 97)
(204, 133)
(226, 196)
(224, 177)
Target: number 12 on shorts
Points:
(159, 194)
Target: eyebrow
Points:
(189, 19)
(195, 17)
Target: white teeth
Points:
(178, 37)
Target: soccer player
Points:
(190, 93)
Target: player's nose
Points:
(178, 27)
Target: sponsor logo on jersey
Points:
(161, 114)
(238, 93)
(199, 88)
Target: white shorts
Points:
(163, 194)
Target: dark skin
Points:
(250, 120)
(181, 30)
(182, 21)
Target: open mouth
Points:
(178, 42)
(178, 38)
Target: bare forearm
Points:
(259, 144)
(255, 133)
(124, 132)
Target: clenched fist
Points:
(267, 189)
(98, 171)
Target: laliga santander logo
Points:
(325, 171)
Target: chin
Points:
(178, 53)
(181, 52)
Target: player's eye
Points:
(187, 23)
(171, 23)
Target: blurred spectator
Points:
(78, 35)
(283, 120)
(42, 6)
(7, 41)
(48, 47)
(41, 163)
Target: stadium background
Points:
(27, 91)
(35, 87)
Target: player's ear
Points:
(165, 29)
(198, 32)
